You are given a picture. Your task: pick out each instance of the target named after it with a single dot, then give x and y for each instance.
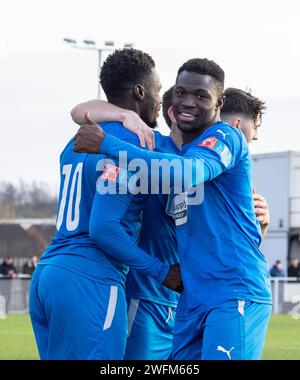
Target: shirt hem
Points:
(91, 278)
(151, 299)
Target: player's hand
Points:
(135, 124)
(173, 280)
(261, 209)
(89, 137)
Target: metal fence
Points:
(14, 295)
(286, 295)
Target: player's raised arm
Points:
(101, 111)
(211, 154)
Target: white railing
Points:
(14, 295)
(286, 295)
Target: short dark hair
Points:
(166, 104)
(205, 66)
(242, 102)
(124, 68)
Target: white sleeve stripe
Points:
(112, 303)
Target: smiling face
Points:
(196, 102)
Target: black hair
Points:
(123, 69)
(166, 104)
(205, 66)
(242, 102)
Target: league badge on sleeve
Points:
(111, 172)
(210, 142)
(219, 147)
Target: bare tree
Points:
(26, 200)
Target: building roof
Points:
(15, 242)
(45, 231)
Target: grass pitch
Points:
(283, 339)
(17, 340)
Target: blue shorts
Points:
(76, 318)
(150, 330)
(232, 330)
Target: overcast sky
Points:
(256, 42)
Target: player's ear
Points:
(220, 102)
(139, 92)
(236, 123)
(171, 115)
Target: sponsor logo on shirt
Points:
(177, 207)
(227, 352)
(210, 142)
(111, 172)
(222, 133)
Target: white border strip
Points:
(113, 297)
(133, 307)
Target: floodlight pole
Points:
(91, 45)
(99, 71)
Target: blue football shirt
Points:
(72, 247)
(157, 238)
(218, 240)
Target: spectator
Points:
(30, 265)
(277, 269)
(294, 268)
(7, 267)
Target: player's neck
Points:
(126, 104)
(176, 135)
(188, 137)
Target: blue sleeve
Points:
(202, 162)
(107, 212)
(109, 234)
